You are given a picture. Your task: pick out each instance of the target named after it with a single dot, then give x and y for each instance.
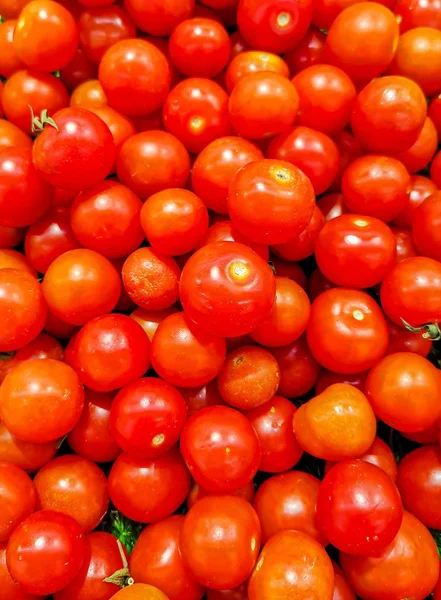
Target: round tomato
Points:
(159, 17)
(418, 156)
(25, 455)
(254, 61)
(88, 94)
(224, 231)
(298, 369)
(17, 498)
(9, 61)
(403, 340)
(425, 223)
(420, 189)
(139, 591)
(380, 455)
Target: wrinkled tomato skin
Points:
(359, 508)
(17, 498)
(156, 559)
(419, 484)
(220, 541)
(408, 567)
(229, 462)
(354, 347)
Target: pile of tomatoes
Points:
(220, 289)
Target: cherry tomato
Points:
(298, 369)
(12, 137)
(380, 455)
(426, 219)
(215, 167)
(9, 61)
(88, 94)
(43, 346)
(11, 259)
(434, 113)
(45, 552)
(156, 559)
(420, 189)
(395, 108)
(262, 105)
(404, 391)
(25, 455)
(253, 61)
(274, 25)
(78, 70)
(435, 170)
(328, 378)
(139, 591)
(302, 246)
(404, 243)
(224, 231)
(227, 289)
(149, 320)
(17, 498)
(45, 36)
(80, 285)
(402, 340)
(418, 156)
(342, 589)
(196, 493)
(221, 449)
(332, 206)
(159, 18)
(309, 51)
(11, 590)
(152, 161)
(220, 541)
(417, 13)
(131, 481)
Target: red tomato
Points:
(342, 589)
(73, 486)
(435, 170)
(9, 61)
(17, 498)
(80, 285)
(88, 94)
(78, 70)
(404, 243)
(262, 105)
(43, 346)
(274, 25)
(404, 390)
(45, 552)
(11, 259)
(140, 591)
(420, 189)
(152, 161)
(45, 36)
(215, 167)
(221, 449)
(159, 17)
(402, 340)
(121, 127)
(156, 559)
(26, 455)
(426, 219)
(309, 51)
(408, 567)
(433, 112)
(418, 13)
(359, 508)
(298, 369)
(328, 378)
(12, 137)
(11, 590)
(347, 332)
(131, 481)
(224, 231)
(355, 251)
(135, 76)
(253, 61)
(418, 156)
(332, 206)
(302, 246)
(149, 320)
(196, 493)
(220, 541)
(380, 455)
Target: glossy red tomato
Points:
(11, 236)
(404, 391)
(12, 137)
(73, 486)
(78, 70)
(45, 36)
(80, 285)
(147, 417)
(404, 243)
(9, 61)
(156, 559)
(426, 220)
(395, 108)
(21, 299)
(152, 161)
(196, 112)
(403, 340)
(412, 291)
(135, 76)
(25, 455)
(377, 186)
(149, 320)
(355, 251)
(11, 590)
(408, 567)
(274, 25)
(359, 508)
(131, 481)
(199, 47)
(418, 13)
(17, 498)
(302, 246)
(332, 206)
(121, 127)
(288, 317)
(88, 94)
(380, 455)
(419, 484)
(224, 231)
(221, 449)
(262, 105)
(313, 152)
(420, 189)
(220, 541)
(45, 552)
(418, 156)
(12, 259)
(347, 332)
(308, 52)
(328, 378)
(159, 17)
(196, 493)
(215, 167)
(24, 195)
(435, 170)
(227, 289)
(298, 369)
(254, 61)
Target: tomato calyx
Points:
(39, 123)
(431, 330)
(121, 577)
(125, 530)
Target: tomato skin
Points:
(25, 455)
(290, 270)
(152, 161)
(12, 137)
(418, 156)
(17, 498)
(361, 262)
(420, 189)
(342, 589)
(149, 320)
(350, 149)
(10, 588)
(239, 593)
(274, 26)
(73, 486)
(147, 417)
(416, 299)
(377, 108)
(328, 378)
(73, 286)
(262, 105)
(45, 552)
(355, 346)
(402, 340)
(313, 152)
(298, 369)
(45, 36)
(240, 277)
(159, 18)
(220, 541)
(418, 482)
(135, 76)
(408, 567)
(415, 13)
(196, 112)
(404, 243)
(435, 170)
(215, 167)
(28, 88)
(380, 455)
(308, 52)
(426, 220)
(254, 61)
(224, 231)
(292, 560)
(434, 113)
(156, 559)
(24, 195)
(359, 508)
(9, 61)
(88, 94)
(132, 479)
(78, 70)
(196, 493)
(302, 246)
(221, 449)
(318, 284)
(139, 591)
(404, 391)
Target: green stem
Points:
(125, 530)
(431, 330)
